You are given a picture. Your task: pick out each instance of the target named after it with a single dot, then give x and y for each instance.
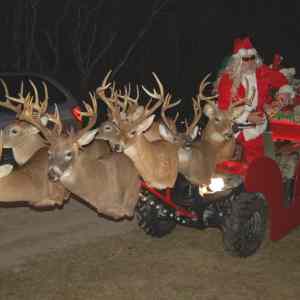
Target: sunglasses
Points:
(249, 58)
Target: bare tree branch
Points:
(54, 39)
(157, 7)
(85, 40)
(25, 38)
(103, 51)
(16, 35)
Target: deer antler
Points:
(40, 106)
(130, 105)
(91, 112)
(203, 84)
(171, 123)
(197, 116)
(8, 101)
(150, 107)
(111, 100)
(197, 104)
(34, 111)
(30, 109)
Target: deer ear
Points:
(87, 137)
(145, 124)
(44, 120)
(194, 132)
(5, 170)
(209, 110)
(30, 130)
(165, 133)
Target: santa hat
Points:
(243, 47)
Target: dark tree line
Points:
(77, 42)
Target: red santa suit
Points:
(263, 80)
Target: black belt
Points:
(236, 127)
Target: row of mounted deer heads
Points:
(55, 163)
(159, 160)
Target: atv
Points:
(239, 214)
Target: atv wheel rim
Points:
(253, 227)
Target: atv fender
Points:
(263, 175)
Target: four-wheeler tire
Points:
(245, 226)
(151, 218)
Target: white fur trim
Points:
(289, 73)
(253, 132)
(243, 117)
(287, 89)
(251, 78)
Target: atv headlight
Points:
(216, 184)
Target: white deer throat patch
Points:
(217, 137)
(184, 155)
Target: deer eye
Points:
(107, 128)
(132, 133)
(13, 131)
(68, 155)
(218, 120)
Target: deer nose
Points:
(52, 175)
(188, 143)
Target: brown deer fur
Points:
(110, 184)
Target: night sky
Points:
(179, 40)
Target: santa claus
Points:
(245, 68)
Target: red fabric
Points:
(266, 79)
(252, 148)
(277, 59)
(243, 43)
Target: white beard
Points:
(253, 132)
(251, 77)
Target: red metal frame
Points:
(165, 197)
(285, 130)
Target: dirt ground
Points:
(74, 254)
